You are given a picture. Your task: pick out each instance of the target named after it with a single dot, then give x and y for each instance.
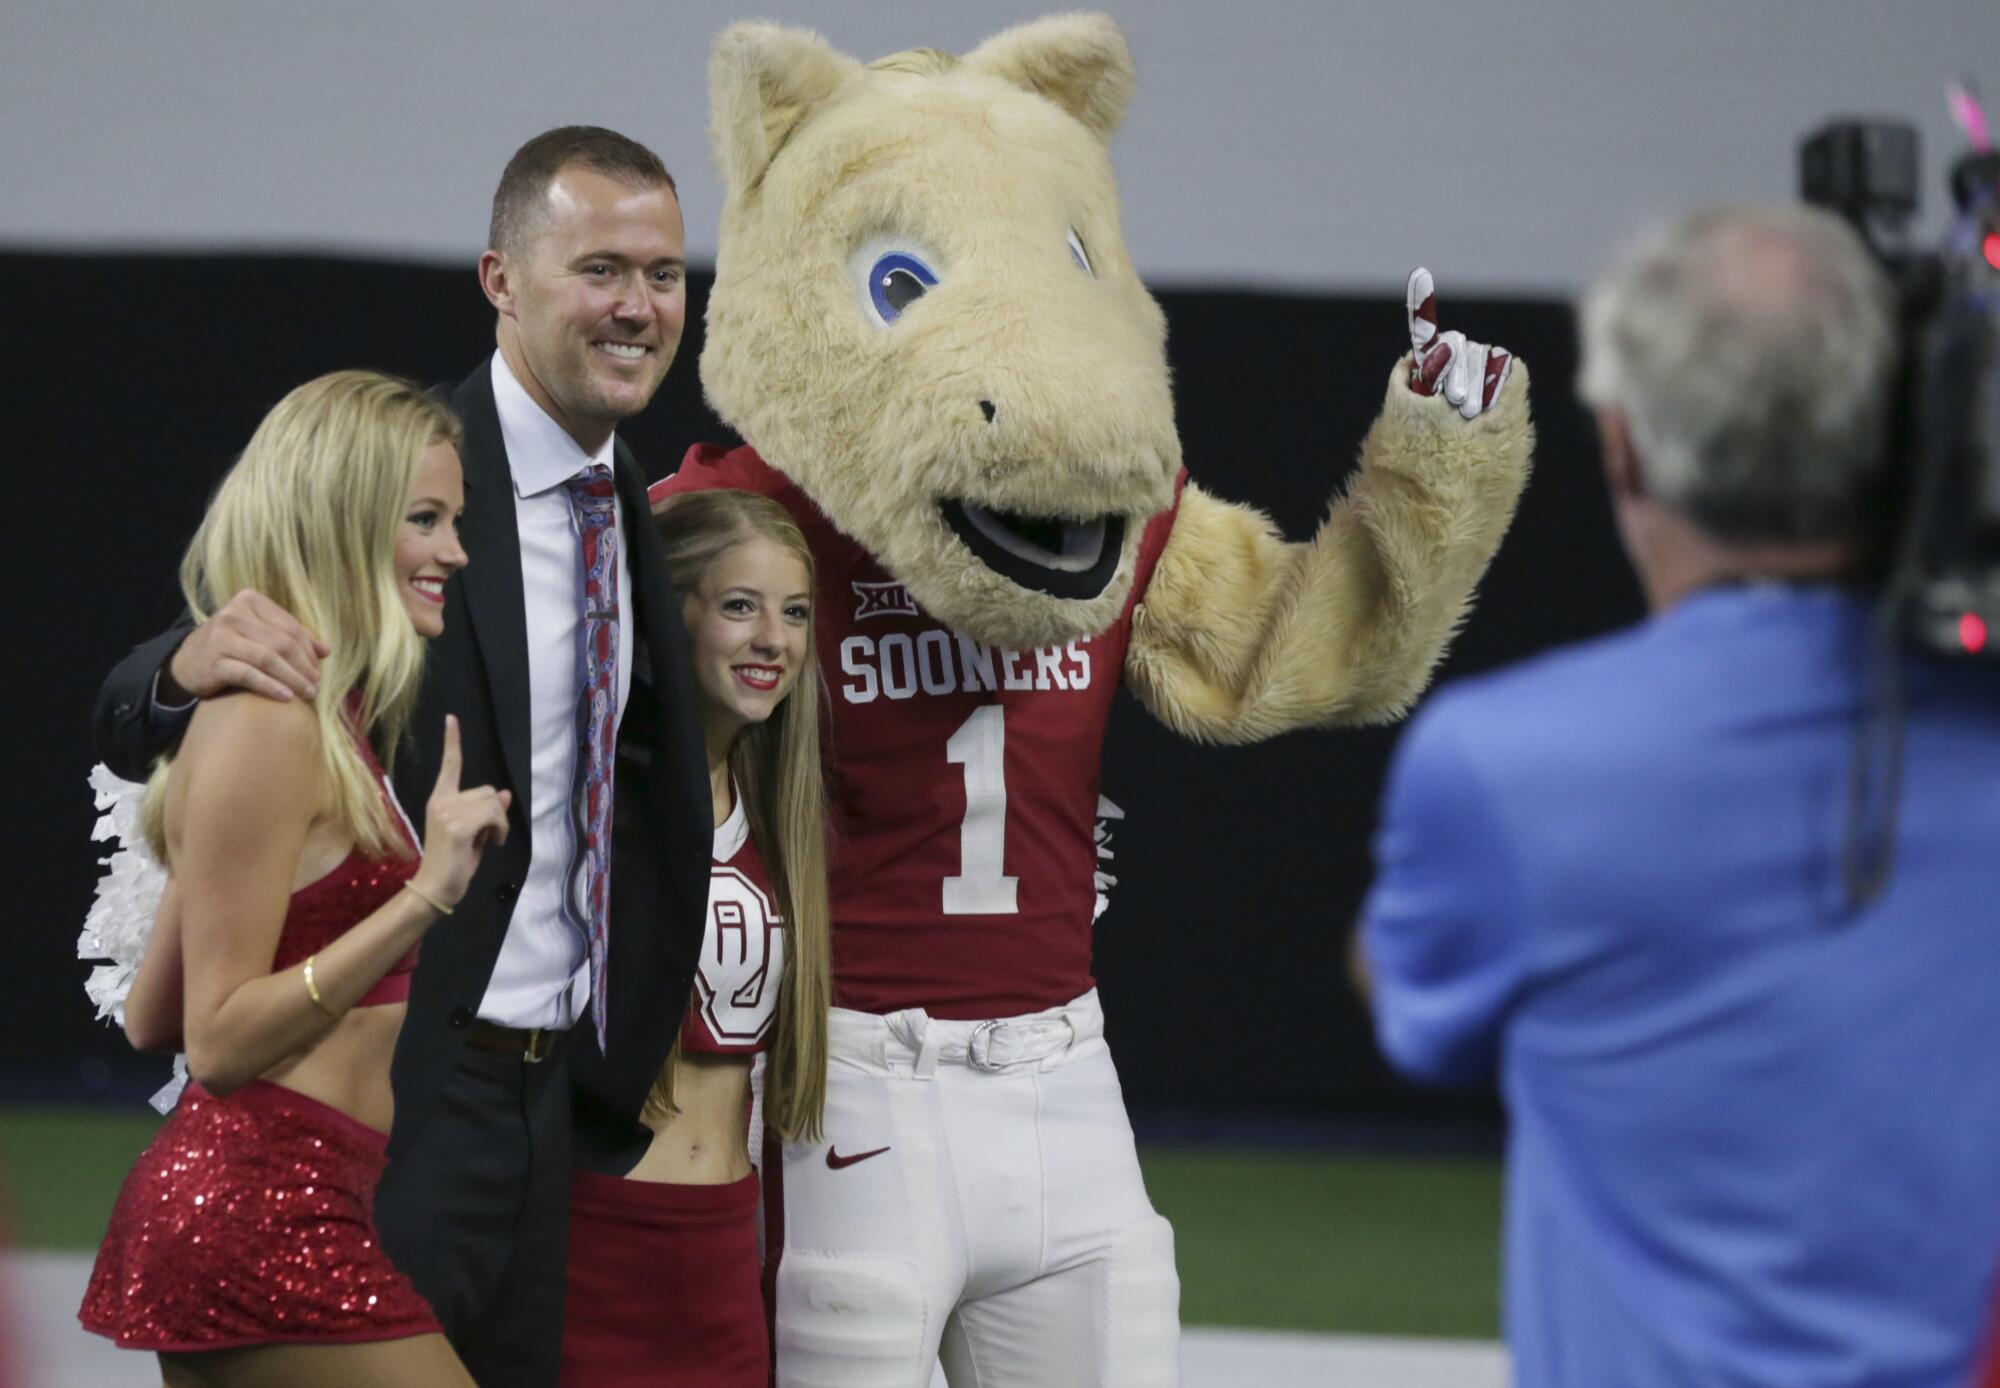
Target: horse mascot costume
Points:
(927, 330)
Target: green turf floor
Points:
(1360, 1245)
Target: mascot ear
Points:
(1078, 61)
(762, 80)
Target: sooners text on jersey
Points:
(963, 780)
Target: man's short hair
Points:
(1752, 351)
(524, 184)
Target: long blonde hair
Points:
(308, 517)
(777, 769)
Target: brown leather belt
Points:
(529, 1045)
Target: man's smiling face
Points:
(596, 298)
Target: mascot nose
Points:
(986, 408)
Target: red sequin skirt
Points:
(249, 1220)
(664, 1286)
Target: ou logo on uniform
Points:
(741, 961)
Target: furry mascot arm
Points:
(1242, 636)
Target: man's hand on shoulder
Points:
(251, 643)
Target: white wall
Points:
(1272, 142)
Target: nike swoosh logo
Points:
(834, 1161)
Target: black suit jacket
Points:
(661, 820)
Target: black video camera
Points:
(1943, 573)
(1941, 590)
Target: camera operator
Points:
(1755, 1131)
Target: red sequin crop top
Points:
(325, 909)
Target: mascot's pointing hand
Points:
(1468, 374)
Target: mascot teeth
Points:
(1064, 558)
(1054, 544)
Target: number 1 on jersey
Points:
(980, 889)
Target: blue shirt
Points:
(1754, 1140)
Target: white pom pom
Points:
(119, 924)
(120, 920)
(170, 1092)
(107, 986)
(1104, 881)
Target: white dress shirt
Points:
(542, 978)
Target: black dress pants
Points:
(476, 1212)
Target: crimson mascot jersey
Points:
(963, 780)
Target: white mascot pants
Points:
(976, 1200)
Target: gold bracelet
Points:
(420, 894)
(312, 990)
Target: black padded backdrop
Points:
(130, 379)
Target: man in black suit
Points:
(585, 269)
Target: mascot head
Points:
(925, 316)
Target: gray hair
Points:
(1752, 351)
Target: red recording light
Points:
(1972, 632)
(1991, 247)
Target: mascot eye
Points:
(896, 281)
(1079, 255)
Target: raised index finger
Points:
(448, 763)
(1420, 305)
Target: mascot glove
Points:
(1468, 374)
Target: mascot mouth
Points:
(1046, 554)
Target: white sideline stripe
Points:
(42, 1291)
